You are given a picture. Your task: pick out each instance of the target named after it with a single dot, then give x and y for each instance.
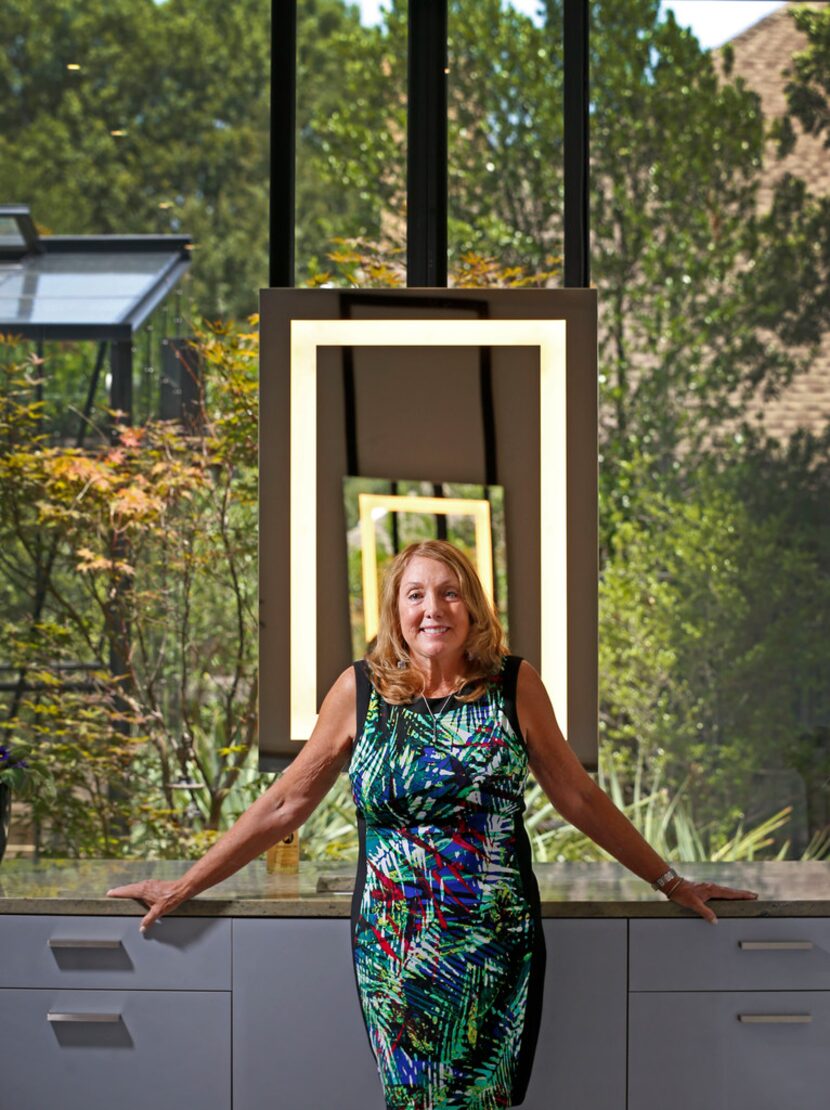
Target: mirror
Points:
(384, 516)
(444, 389)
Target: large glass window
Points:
(505, 138)
(709, 213)
(130, 633)
(128, 575)
(351, 143)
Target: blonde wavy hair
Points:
(485, 648)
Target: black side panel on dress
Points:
(364, 693)
(510, 679)
(538, 960)
(354, 914)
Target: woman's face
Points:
(434, 619)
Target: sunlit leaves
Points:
(141, 550)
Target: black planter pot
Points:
(5, 815)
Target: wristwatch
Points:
(665, 879)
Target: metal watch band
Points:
(665, 879)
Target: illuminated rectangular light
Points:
(549, 336)
(370, 504)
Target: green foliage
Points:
(132, 564)
(504, 133)
(141, 551)
(22, 773)
(505, 136)
(79, 800)
(714, 635)
(808, 91)
(187, 83)
(663, 818)
(330, 833)
(350, 175)
(705, 302)
(192, 150)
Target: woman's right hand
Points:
(160, 895)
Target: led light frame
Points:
(549, 337)
(370, 503)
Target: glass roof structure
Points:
(100, 287)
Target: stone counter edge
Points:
(340, 908)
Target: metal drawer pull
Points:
(57, 942)
(777, 945)
(775, 1019)
(62, 1016)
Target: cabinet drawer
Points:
(688, 1050)
(736, 954)
(161, 1049)
(181, 953)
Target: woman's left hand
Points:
(695, 895)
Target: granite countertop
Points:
(785, 889)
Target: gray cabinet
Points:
(94, 1014)
(580, 1060)
(81, 1050)
(729, 1050)
(754, 953)
(736, 1016)
(253, 1012)
(109, 952)
(300, 1041)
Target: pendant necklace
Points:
(433, 715)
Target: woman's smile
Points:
(434, 619)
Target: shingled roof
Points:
(762, 56)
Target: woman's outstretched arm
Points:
(588, 808)
(281, 810)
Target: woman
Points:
(439, 725)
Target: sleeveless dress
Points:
(447, 942)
